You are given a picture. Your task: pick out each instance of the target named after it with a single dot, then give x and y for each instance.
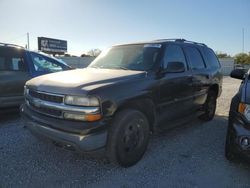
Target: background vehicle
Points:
(17, 65)
(127, 92)
(238, 133)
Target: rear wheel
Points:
(210, 106)
(128, 137)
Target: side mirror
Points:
(238, 74)
(175, 67)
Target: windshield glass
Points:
(140, 57)
(42, 63)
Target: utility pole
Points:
(28, 41)
(243, 40)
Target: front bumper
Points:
(241, 130)
(84, 139)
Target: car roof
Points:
(164, 41)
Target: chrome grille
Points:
(46, 97)
(46, 111)
(34, 98)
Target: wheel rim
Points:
(133, 136)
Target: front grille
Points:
(46, 111)
(33, 96)
(46, 96)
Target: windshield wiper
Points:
(123, 68)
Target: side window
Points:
(12, 60)
(211, 58)
(44, 64)
(194, 57)
(173, 53)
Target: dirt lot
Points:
(188, 156)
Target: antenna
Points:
(243, 40)
(28, 40)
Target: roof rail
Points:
(182, 40)
(173, 39)
(192, 42)
(10, 45)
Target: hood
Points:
(80, 81)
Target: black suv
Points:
(17, 65)
(129, 91)
(238, 133)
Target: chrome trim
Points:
(34, 109)
(32, 101)
(59, 106)
(52, 94)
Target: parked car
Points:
(125, 94)
(17, 65)
(238, 132)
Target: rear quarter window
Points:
(212, 60)
(194, 57)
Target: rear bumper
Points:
(84, 141)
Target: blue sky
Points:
(88, 24)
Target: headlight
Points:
(81, 101)
(245, 110)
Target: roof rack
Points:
(10, 45)
(182, 40)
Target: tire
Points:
(210, 106)
(230, 153)
(128, 137)
(229, 150)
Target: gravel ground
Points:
(188, 156)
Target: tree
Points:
(67, 55)
(94, 52)
(222, 55)
(242, 58)
(85, 55)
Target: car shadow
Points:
(9, 114)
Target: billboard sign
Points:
(52, 46)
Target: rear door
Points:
(176, 90)
(201, 77)
(14, 73)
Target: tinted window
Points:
(12, 60)
(174, 53)
(44, 64)
(2, 63)
(211, 58)
(194, 57)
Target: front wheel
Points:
(209, 107)
(128, 137)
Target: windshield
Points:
(43, 63)
(139, 57)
